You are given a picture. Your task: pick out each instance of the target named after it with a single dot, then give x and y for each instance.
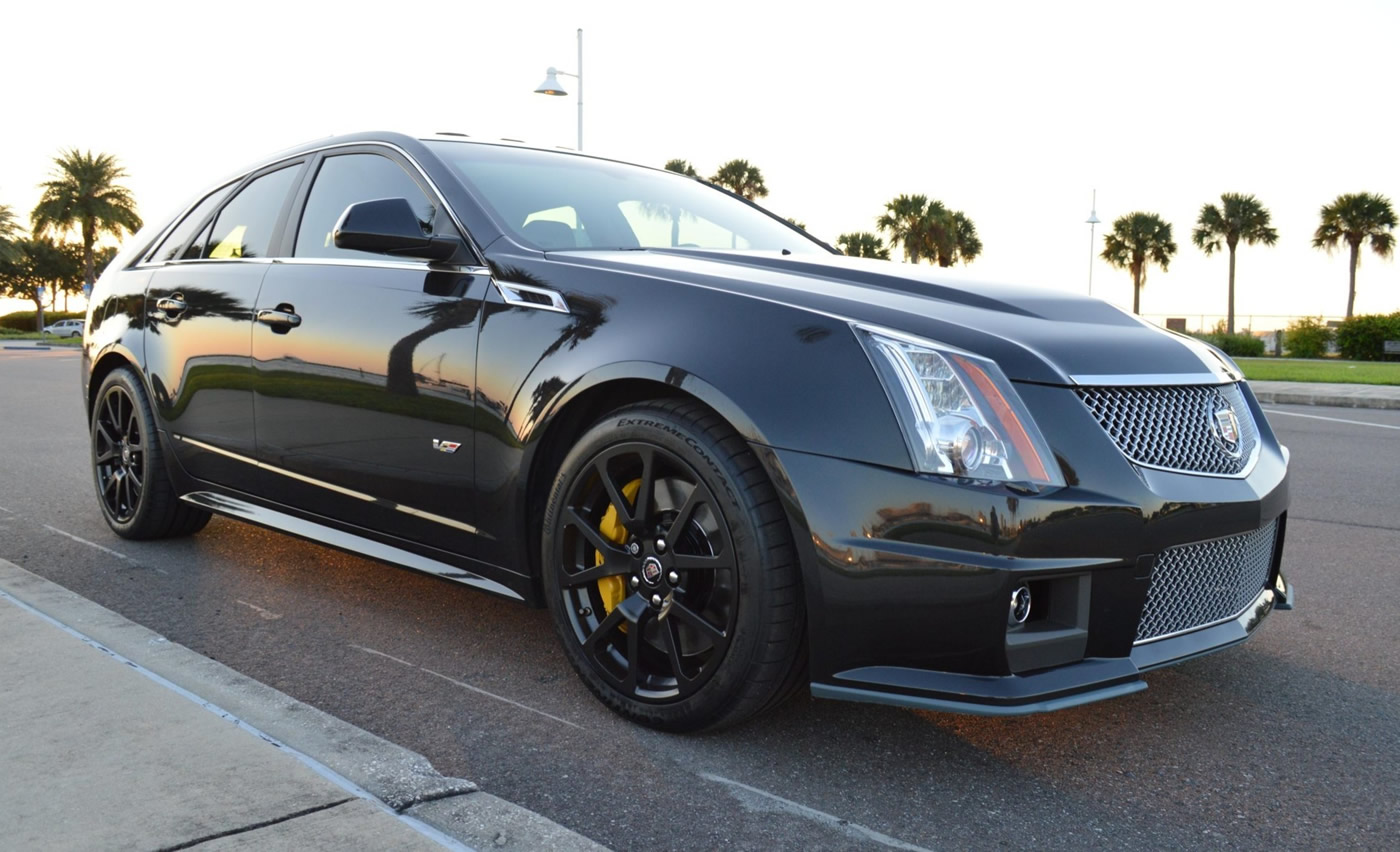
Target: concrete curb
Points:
(1386, 397)
(402, 779)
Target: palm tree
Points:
(84, 195)
(1239, 217)
(681, 167)
(958, 240)
(741, 178)
(863, 244)
(1138, 239)
(796, 224)
(9, 234)
(925, 228)
(1354, 218)
(906, 220)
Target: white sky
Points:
(1011, 112)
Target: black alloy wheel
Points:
(118, 454)
(134, 489)
(670, 570)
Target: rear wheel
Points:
(670, 571)
(134, 489)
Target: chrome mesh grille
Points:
(1174, 426)
(1195, 585)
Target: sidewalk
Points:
(112, 737)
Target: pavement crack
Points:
(435, 797)
(255, 826)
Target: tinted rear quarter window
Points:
(174, 243)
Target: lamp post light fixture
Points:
(551, 85)
(1092, 221)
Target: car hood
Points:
(1034, 335)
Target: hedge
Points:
(25, 320)
(1362, 338)
(1243, 345)
(1307, 337)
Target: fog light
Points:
(1020, 606)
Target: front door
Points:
(364, 371)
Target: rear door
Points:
(199, 321)
(364, 367)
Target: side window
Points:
(344, 180)
(244, 227)
(171, 247)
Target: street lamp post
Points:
(551, 85)
(1092, 221)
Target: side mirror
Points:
(388, 226)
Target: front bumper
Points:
(908, 577)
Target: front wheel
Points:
(670, 571)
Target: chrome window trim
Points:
(339, 489)
(432, 186)
(510, 291)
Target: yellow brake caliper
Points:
(614, 589)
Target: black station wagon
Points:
(730, 461)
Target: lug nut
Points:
(636, 581)
(673, 578)
(656, 600)
(661, 545)
(634, 548)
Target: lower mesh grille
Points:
(1196, 585)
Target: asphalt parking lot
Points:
(1291, 740)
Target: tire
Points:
(138, 499)
(670, 572)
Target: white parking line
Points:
(820, 816)
(265, 613)
(468, 686)
(92, 544)
(1332, 419)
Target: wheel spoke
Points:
(634, 652)
(673, 651)
(718, 638)
(594, 574)
(105, 455)
(611, 552)
(624, 509)
(104, 432)
(642, 510)
(699, 495)
(699, 562)
(605, 627)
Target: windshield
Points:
(560, 201)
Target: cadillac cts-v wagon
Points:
(732, 462)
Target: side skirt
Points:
(310, 530)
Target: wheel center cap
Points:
(126, 455)
(651, 570)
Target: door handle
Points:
(172, 305)
(281, 320)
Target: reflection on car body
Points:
(730, 461)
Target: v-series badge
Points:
(445, 446)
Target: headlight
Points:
(959, 413)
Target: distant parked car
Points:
(731, 461)
(65, 328)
